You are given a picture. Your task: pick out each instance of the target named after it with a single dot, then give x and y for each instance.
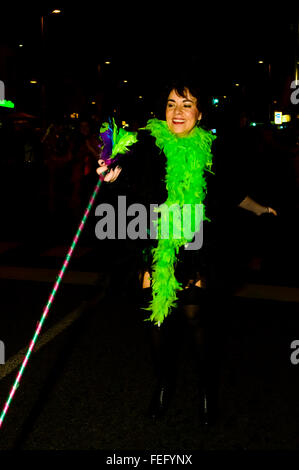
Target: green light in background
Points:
(7, 104)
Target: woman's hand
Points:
(112, 173)
(250, 205)
(269, 210)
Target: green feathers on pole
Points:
(124, 139)
(115, 141)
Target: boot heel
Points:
(160, 401)
(208, 409)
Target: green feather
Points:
(122, 139)
(187, 158)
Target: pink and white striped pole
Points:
(50, 300)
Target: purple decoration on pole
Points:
(107, 138)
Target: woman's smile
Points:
(178, 121)
(182, 113)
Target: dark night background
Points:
(89, 385)
(146, 44)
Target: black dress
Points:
(142, 181)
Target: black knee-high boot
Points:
(206, 367)
(163, 341)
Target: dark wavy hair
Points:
(180, 86)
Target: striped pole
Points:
(50, 300)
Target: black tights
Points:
(165, 340)
(165, 344)
(198, 334)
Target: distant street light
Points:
(54, 12)
(43, 85)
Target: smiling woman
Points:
(184, 151)
(168, 165)
(182, 113)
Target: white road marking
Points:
(254, 291)
(48, 336)
(268, 292)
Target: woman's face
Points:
(182, 113)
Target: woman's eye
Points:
(187, 106)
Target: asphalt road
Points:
(88, 383)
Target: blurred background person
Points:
(85, 149)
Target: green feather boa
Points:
(187, 158)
